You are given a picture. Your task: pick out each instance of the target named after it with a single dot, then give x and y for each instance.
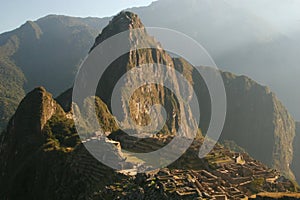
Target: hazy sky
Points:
(16, 12)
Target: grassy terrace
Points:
(278, 195)
(218, 158)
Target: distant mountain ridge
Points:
(44, 52)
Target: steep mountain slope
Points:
(259, 122)
(296, 157)
(11, 89)
(35, 54)
(256, 120)
(146, 96)
(239, 38)
(62, 44)
(42, 156)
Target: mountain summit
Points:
(122, 22)
(148, 95)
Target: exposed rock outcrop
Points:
(149, 95)
(256, 120)
(296, 156)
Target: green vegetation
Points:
(11, 89)
(295, 187)
(62, 130)
(256, 185)
(36, 53)
(105, 118)
(278, 195)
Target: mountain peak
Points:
(35, 110)
(25, 132)
(33, 28)
(124, 21)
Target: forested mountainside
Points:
(44, 52)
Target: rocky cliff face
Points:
(296, 156)
(146, 96)
(256, 120)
